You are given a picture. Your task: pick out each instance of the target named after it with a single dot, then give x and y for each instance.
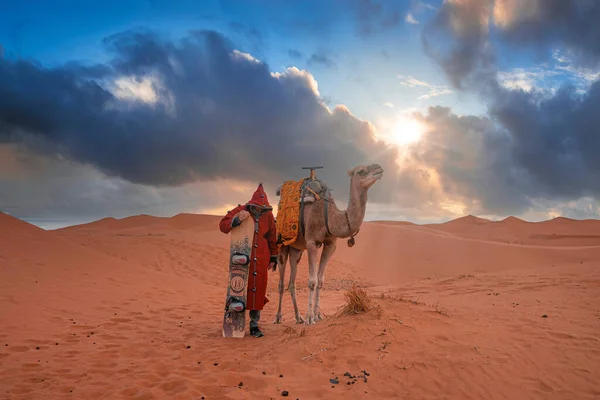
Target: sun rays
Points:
(402, 131)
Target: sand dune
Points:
(556, 232)
(147, 223)
(469, 309)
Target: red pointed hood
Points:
(259, 198)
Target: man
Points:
(264, 252)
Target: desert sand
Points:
(469, 309)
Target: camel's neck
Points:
(356, 213)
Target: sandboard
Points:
(240, 249)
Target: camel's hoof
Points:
(299, 319)
(318, 317)
(309, 320)
(277, 319)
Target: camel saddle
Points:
(293, 196)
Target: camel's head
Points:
(366, 176)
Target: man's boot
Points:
(254, 331)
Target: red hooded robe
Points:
(264, 246)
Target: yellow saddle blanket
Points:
(288, 212)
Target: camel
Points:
(317, 233)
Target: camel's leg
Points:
(283, 257)
(328, 250)
(311, 248)
(295, 256)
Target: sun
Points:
(405, 130)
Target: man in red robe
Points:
(264, 252)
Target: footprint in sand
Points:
(135, 313)
(120, 320)
(249, 382)
(174, 386)
(18, 349)
(67, 389)
(20, 389)
(113, 346)
(83, 327)
(125, 371)
(130, 392)
(63, 371)
(68, 354)
(562, 335)
(105, 365)
(542, 386)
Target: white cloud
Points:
(239, 55)
(302, 76)
(433, 90)
(410, 19)
(584, 75)
(409, 81)
(548, 78)
(585, 207)
(388, 104)
(420, 7)
(136, 88)
(526, 79)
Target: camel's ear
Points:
(352, 171)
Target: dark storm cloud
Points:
(555, 140)
(321, 59)
(295, 54)
(454, 161)
(15, 34)
(250, 34)
(249, 31)
(539, 144)
(572, 24)
(50, 191)
(458, 37)
(375, 16)
(220, 114)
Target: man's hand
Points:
(273, 263)
(242, 215)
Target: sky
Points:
(484, 107)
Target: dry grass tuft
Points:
(358, 301)
(291, 331)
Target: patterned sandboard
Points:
(234, 323)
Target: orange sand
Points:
(470, 309)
